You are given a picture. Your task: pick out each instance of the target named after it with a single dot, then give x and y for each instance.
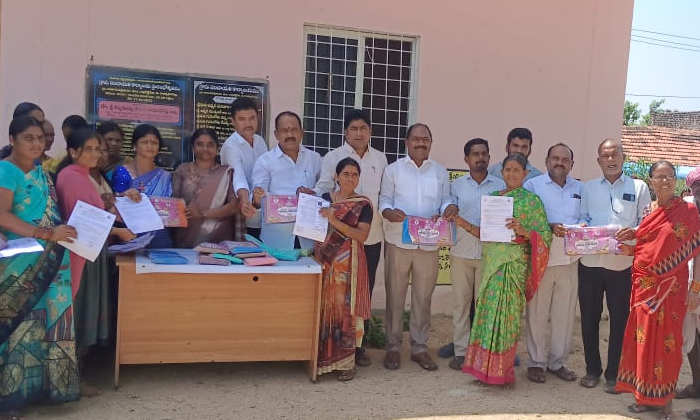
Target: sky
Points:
(665, 71)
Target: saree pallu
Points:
(93, 306)
(37, 346)
(208, 189)
(652, 354)
(511, 273)
(345, 291)
(155, 183)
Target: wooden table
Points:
(194, 313)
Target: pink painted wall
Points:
(485, 66)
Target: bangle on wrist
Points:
(695, 287)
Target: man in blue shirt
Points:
(519, 141)
(465, 255)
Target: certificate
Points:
(280, 208)
(20, 246)
(309, 223)
(93, 226)
(494, 212)
(139, 217)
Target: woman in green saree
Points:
(37, 344)
(511, 273)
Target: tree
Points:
(654, 106)
(631, 113)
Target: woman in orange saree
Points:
(667, 238)
(345, 290)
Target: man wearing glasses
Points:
(613, 198)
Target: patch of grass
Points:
(375, 336)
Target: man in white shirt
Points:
(287, 169)
(412, 186)
(519, 140)
(555, 299)
(465, 255)
(613, 198)
(358, 131)
(240, 151)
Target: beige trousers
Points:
(465, 275)
(554, 301)
(422, 268)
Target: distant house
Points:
(651, 143)
(676, 119)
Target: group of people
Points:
(56, 305)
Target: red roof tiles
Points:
(652, 143)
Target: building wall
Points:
(485, 66)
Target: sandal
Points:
(535, 374)
(424, 361)
(563, 373)
(346, 375)
(687, 391)
(392, 360)
(639, 408)
(589, 381)
(610, 387)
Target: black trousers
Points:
(372, 252)
(593, 283)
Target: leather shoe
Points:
(424, 361)
(392, 360)
(457, 362)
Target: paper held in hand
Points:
(495, 210)
(20, 246)
(309, 223)
(139, 217)
(93, 226)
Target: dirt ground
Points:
(282, 390)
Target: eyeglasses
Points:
(664, 178)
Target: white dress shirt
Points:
(621, 203)
(278, 174)
(467, 195)
(237, 153)
(372, 165)
(418, 191)
(562, 205)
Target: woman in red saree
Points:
(667, 238)
(345, 291)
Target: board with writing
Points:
(177, 104)
(213, 99)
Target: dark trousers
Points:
(254, 232)
(372, 252)
(593, 282)
(694, 360)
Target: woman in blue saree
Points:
(37, 340)
(143, 174)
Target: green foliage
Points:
(640, 170)
(406, 320)
(631, 113)
(654, 106)
(375, 336)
